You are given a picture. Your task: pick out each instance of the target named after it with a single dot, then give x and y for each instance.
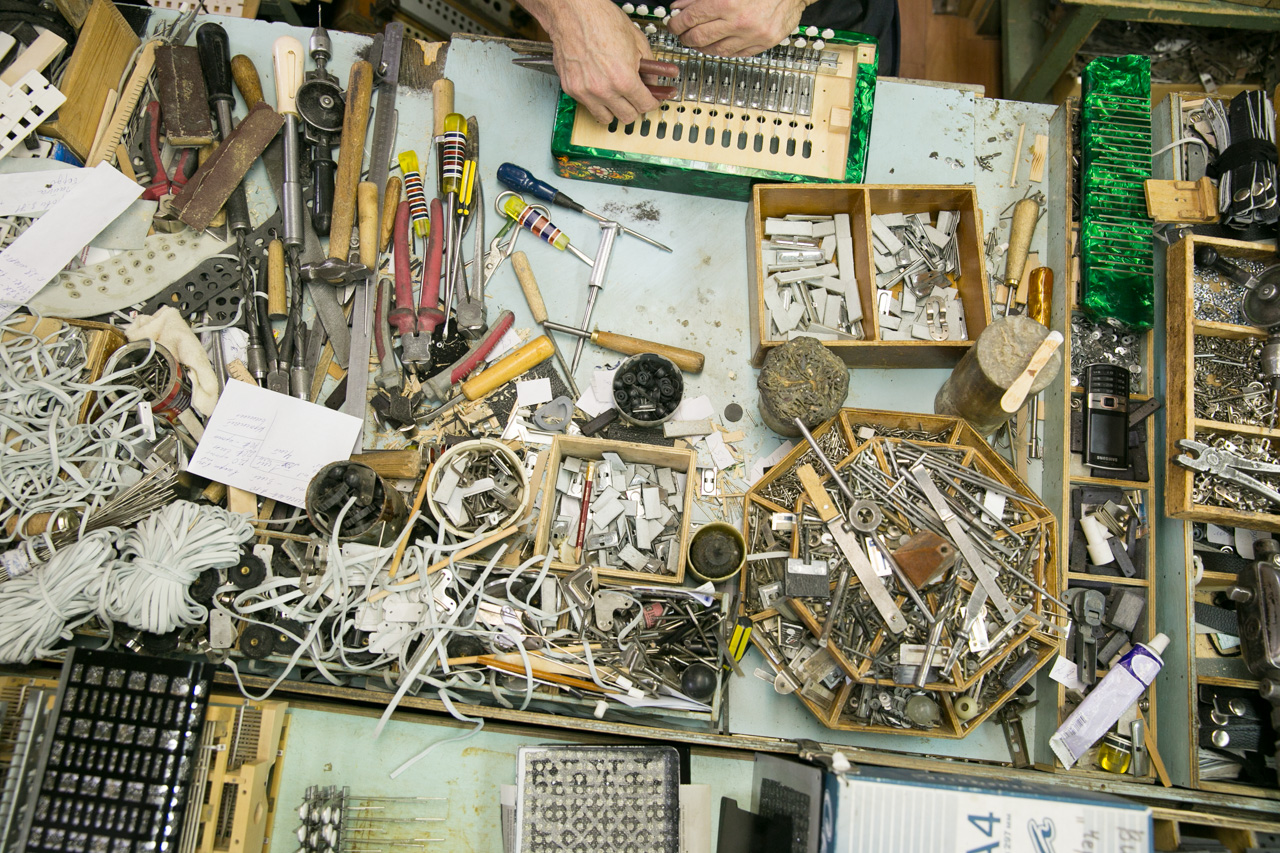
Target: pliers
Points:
(1229, 467)
(164, 186)
(415, 328)
(542, 59)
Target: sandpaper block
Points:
(184, 100)
(211, 185)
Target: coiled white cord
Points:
(52, 461)
(44, 606)
(149, 588)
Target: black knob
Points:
(215, 59)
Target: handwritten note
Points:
(269, 443)
(33, 193)
(58, 236)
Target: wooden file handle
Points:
(1025, 214)
(1017, 393)
(277, 303)
(367, 193)
(530, 355)
(817, 495)
(686, 359)
(529, 284)
(355, 123)
(441, 104)
(245, 73)
(390, 202)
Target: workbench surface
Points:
(697, 296)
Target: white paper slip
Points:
(33, 193)
(58, 236)
(533, 392)
(1065, 673)
(269, 443)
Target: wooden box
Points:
(845, 437)
(861, 201)
(1183, 327)
(683, 461)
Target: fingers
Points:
(709, 33)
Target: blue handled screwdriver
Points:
(521, 180)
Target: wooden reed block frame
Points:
(1183, 326)
(828, 127)
(682, 461)
(861, 201)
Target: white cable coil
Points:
(40, 608)
(149, 587)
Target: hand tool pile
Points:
(437, 593)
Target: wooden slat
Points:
(102, 52)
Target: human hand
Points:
(734, 27)
(597, 55)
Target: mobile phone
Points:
(1106, 416)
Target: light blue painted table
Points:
(695, 297)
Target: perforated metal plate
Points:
(208, 285)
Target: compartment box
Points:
(861, 201)
(682, 461)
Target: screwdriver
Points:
(532, 295)
(687, 360)
(522, 180)
(540, 225)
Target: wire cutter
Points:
(1229, 467)
(165, 182)
(542, 59)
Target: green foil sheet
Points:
(712, 180)
(1116, 242)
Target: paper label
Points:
(271, 444)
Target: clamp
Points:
(1229, 467)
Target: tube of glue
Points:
(1112, 696)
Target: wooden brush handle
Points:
(277, 303)
(687, 360)
(367, 193)
(441, 104)
(529, 284)
(245, 73)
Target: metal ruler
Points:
(852, 550)
(387, 63)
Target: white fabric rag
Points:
(167, 328)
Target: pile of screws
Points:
(1229, 383)
(1103, 343)
(1217, 298)
(968, 565)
